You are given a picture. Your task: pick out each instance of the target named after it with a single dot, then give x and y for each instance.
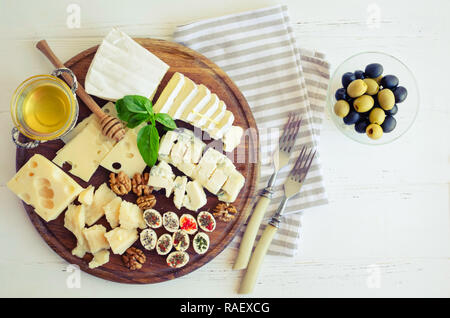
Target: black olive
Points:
(341, 93)
(392, 111)
(347, 78)
(351, 118)
(373, 70)
(389, 124)
(400, 94)
(361, 125)
(359, 74)
(389, 81)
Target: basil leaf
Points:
(122, 111)
(136, 119)
(137, 104)
(166, 121)
(148, 144)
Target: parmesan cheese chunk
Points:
(95, 237)
(100, 258)
(121, 239)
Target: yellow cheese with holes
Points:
(95, 237)
(112, 210)
(125, 156)
(100, 258)
(131, 216)
(74, 220)
(102, 196)
(120, 239)
(44, 186)
(85, 151)
(86, 196)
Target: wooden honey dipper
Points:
(111, 126)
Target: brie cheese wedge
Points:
(122, 67)
(216, 117)
(202, 116)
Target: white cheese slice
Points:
(179, 191)
(125, 156)
(85, 151)
(232, 187)
(195, 197)
(232, 138)
(183, 98)
(165, 145)
(202, 116)
(123, 67)
(202, 97)
(223, 126)
(169, 93)
(216, 117)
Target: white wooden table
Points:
(386, 229)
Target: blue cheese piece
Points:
(122, 67)
(195, 197)
(169, 93)
(179, 191)
(223, 171)
(232, 187)
(165, 145)
(207, 165)
(161, 176)
(200, 100)
(232, 138)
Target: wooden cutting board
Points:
(202, 71)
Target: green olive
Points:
(377, 116)
(363, 103)
(378, 79)
(386, 99)
(374, 131)
(341, 108)
(356, 88)
(372, 86)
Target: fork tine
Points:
(299, 161)
(290, 134)
(310, 162)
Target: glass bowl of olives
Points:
(373, 98)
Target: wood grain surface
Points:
(202, 71)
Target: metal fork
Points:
(292, 186)
(280, 159)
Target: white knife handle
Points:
(248, 239)
(251, 275)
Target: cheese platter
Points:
(126, 216)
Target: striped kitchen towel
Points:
(258, 50)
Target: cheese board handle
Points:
(111, 127)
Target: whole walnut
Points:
(139, 184)
(146, 202)
(120, 183)
(133, 258)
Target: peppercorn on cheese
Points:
(112, 210)
(74, 221)
(102, 196)
(44, 186)
(121, 239)
(125, 156)
(95, 238)
(130, 216)
(100, 258)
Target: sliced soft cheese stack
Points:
(195, 197)
(112, 210)
(169, 93)
(222, 126)
(122, 67)
(202, 116)
(125, 156)
(232, 187)
(216, 117)
(202, 97)
(85, 151)
(179, 191)
(44, 186)
(184, 97)
(161, 176)
(232, 138)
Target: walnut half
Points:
(225, 211)
(120, 183)
(133, 258)
(139, 184)
(146, 202)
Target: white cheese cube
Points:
(206, 165)
(161, 176)
(179, 191)
(102, 196)
(187, 168)
(121, 239)
(123, 67)
(169, 93)
(195, 197)
(125, 156)
(232, 138)
(44, 186)
(95, 237)
(165, 145)
(232, 187)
